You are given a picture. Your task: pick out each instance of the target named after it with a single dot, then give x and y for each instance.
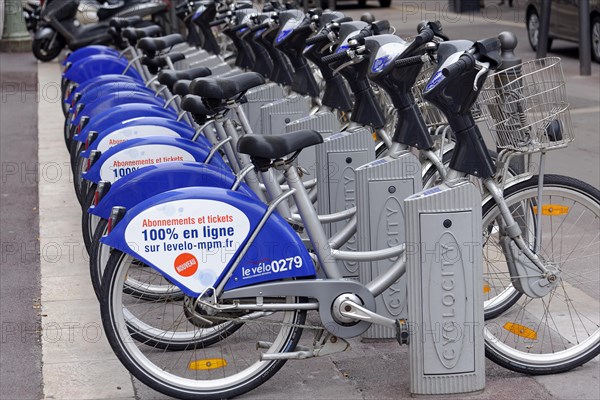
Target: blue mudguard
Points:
(139, 127)
(113, 100)
(107, 89)
(155, 179)
(124, 112)
(97, 65)
(193, 235)
(97, 82)
(129, 156)
(88, 51)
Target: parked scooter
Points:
(58, 26)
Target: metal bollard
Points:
(445, 304)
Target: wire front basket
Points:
(526, 108)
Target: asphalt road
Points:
(20, 346)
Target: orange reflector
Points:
(374, 135)
(521, 330)
(206, 364)
(552, 209)
(486, 288)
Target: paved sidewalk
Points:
(79, 364)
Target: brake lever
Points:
(354, 59)
(483, 69)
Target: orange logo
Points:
(186, 264)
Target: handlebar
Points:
(405, 62)
(343, 55)
(239, 27)
(465, 62)
(323, 37)
(217, 22)
(258, 27)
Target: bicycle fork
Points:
(528, 272)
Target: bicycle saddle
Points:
(278, 146)
(170, 77)
(195, 105)
(226, 88)
(181, 87)
(150, 46)
(156, 63)
(135, 34)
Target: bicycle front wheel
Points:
(560, 330)
(221, 361)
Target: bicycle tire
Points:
(99, 255)
(561, 330)
(154, 368)
(151, 287)
(89, 222)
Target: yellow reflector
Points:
(521, 330)
(209, 363)
(374, 135)
(486, 288)
(552, 209)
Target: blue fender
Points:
(131, 155)
(194, 235)
(96, 82)
(124, 112)
(88, 51)
(97, 65)
(139, 127)
(149, 181)
(108, 89)
(115, 99)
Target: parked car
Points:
(564, 23)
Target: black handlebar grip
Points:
(216, 22)
(465, 62)
(239, 27)
(303, 29)
(323, 37)
(335, 57)
(259, 27)
(405, 62)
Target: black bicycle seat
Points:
(151, 46)
(134, 34)
(226, 88)
(170, 77)
(195, 105)
(157, 63)
(181, 87)
(278, 146)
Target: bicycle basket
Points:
(526, 107)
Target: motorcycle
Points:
(58, 25)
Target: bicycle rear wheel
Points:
(219, 362)
(560, 330)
